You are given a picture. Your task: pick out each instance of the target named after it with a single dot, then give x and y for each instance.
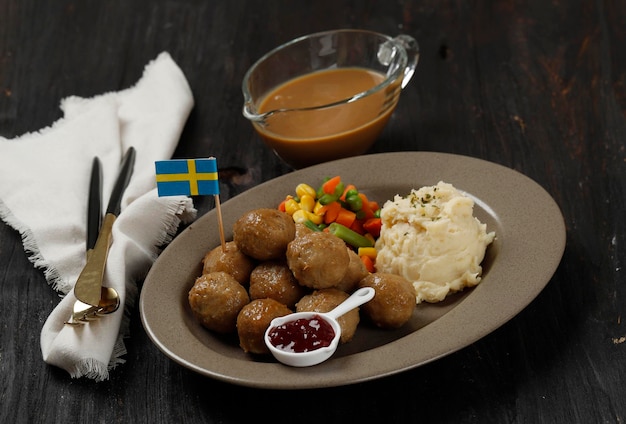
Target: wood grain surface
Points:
(538, 86)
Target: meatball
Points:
(253, 320)
(324, 301)
(216, 299)
(229, 260)
(394, 301)
(264, 233)
(318, 259)
(302, 229)
(275, 280)
(356, 272)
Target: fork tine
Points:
(84, 313)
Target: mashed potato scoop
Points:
(303, 339)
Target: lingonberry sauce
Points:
(302, 335)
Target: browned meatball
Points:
(318, 259)
(264, 233)
(356, 272)
(275, 280)
(324, 301)
(216, 299)
(394, 301)
(302, 229)
(253, 320)
(229, 260)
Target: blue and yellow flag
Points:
(190, 177)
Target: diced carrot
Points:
(329, 186)
(281, 206)
(372, 226)
(374, 205)
(369, 213)
(330, 212)
(348, 187)
(345, 217)
(357, 226)
(368, 262)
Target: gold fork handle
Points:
(89, 283)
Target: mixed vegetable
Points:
(340, 209)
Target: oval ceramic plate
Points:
(530, 239)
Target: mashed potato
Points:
(432, 238)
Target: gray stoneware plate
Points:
(529, 245)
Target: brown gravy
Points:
(307, 137)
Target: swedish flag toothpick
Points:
(190, 177)
(187, 177)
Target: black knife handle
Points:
(94, 207)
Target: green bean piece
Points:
(339, 189)
(311, 225)
(320, 190)
(353, 238)
(326, 199)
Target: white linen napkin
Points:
(44, 183)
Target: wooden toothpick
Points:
(220, 222)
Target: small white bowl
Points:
(314, 357)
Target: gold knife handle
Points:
(89, 284)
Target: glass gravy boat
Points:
(315, 119)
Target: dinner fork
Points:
(94, 300)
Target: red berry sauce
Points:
(302, 335)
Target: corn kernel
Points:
(299, 216)
(303, 189)
(307, 202)
(370, 252)
(317, 207)
(315, 219)
(291, 206)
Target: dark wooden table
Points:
(536, 86)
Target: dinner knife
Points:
(89, 284)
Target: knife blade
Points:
(126, 171)
(88, 287)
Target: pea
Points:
(352, 192)
(355, 202)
